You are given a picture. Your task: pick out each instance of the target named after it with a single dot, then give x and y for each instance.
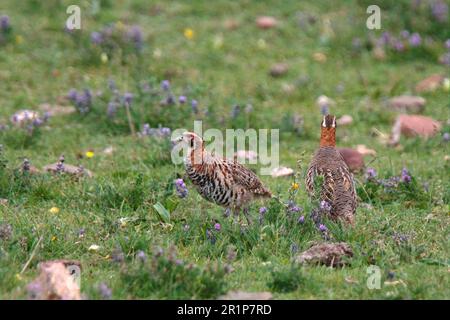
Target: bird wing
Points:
(246, 178)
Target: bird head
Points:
(328, 131)
(189, 139)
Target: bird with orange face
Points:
(222, 181)
(337, 194)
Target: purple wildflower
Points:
(164, 132)
(181, 188)
(447, 44)
(323, 228)
(141, 256)
(165, 85)
(217, 226)
(105, 291)
(127, 98)
(399, 46)
(194, 105)
(81, 233)
(301, 219)
(415, 40)
(404, 34)
(445, 59)
(385, 38)
(117, 255)
(446, 137)
(262, 210)
(96, 38)
(135, 35)
(182, 99)
(5, 23)
(439, 10)
(324, 205)
(405, 177)
(371, 173)
(112, 108)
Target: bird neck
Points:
(196, 155)
(328, 137)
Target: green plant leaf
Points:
(163, 213)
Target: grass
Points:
(220, 68)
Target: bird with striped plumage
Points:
(219, 180)
(337, 190)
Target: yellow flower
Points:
(18, 276)
(189, 33)
(19, 39)
(104, 57)
(54, 238)
(54, 210)
(295, 185)
(89, 154)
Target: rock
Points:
(54, 283)
(352, 158)
(344, 120)
(94, 248)
(243, 295)
(246, 155)
(379, 53)
(329, 254)
(320, 57)
(279, 69)
(56, 110)
(408, 104)
(231, 24)
(108, 150)
(70, 169)
(365, 151)
(266, 22)
(282, 172)
(430, 83)
(413, 125)
(324, 101)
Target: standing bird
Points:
(337, 194)
(219, 180)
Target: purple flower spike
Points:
(127, 98)
(181, 188)
(182, 99)
(301, 219)
(323, 228)
(96, 38)
(415, 40)
(217, 226)
(5, 23)
(262, 210)
(405, 177)
(165, 85)
(324, 205)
